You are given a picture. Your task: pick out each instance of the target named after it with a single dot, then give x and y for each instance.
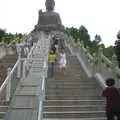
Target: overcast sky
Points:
(98, 16)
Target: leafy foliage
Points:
(108, 52)
(2, 34)
(117, 50)
(8, 37)
(82, 34)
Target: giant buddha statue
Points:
(49, 20)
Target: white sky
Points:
(99, 16)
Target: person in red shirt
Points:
(112, 95)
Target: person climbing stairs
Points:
(73, 96)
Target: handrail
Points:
(107, 61)
(7, 78)
(94, 63)
(42, 88)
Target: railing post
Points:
(24, 69)
(100, 52)
(45, 69)
(19, 66)
(94, 63)
(8, 87)
(114, 60)
(27, 64)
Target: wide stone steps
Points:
(7, 61)
(57, 86)
(75, 97)
(73, 102)
(97, 118)
(3, 109)
(70, 82)
(74, 114)
(74, 108)
(2, 114)
(71, 92)
(73, 84)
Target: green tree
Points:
(2, 34)
(117, 48)
(108, 52)
(84, 36)
(95, 44)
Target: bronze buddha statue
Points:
(49, 20)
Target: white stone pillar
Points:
(19, 66)
(8, 88)
(24, 69)
(94, 64)
(114, 60)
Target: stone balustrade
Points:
(96, 63)
(15, 74)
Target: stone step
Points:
(74, 114)
(37, 67)
(72, 86)
(73, 97)
(72, 83)
(37, 64)
(35, 71)
(73, 102)
(3, 108)
(57, 86)
(97, 118)
(2, 114)
(72, 92)
(74, 108)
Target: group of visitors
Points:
(56, 59)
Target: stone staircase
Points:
(6, 62)
(3, 109)
(73, 96)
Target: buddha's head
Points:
(50, 4)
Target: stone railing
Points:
(17, 73)
(36, 63)
(40, 58)
(96, 65)
(25, 67)
(8, 49)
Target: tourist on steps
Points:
(51, 63)
(112, 95)
(63, 62)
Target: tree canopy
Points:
(8, 37)
(82, 34)
(117, 47)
